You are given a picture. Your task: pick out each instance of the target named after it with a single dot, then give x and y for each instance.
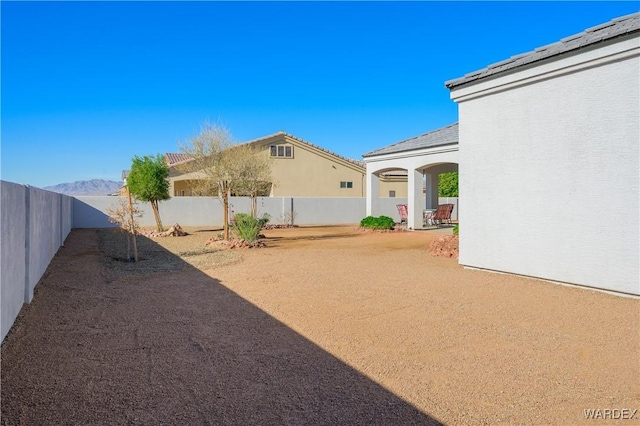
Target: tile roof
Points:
(615, 28)
(173, 158)
(444, 136)
(350, 160)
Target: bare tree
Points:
(126, 213)
(255, 173)
(221, 167)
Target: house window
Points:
(392, 194)
(344, 184)
(281, 151)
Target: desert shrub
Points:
(247, 227)
(264, 220)
(381, 222)
(456, 229)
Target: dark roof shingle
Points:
(444, 136)
(615, 28)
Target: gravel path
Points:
(325, 326)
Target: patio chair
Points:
(403, 212)
(443, 214)
(427, 218)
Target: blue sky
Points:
(88, 85)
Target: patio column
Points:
(414, 199)
(373, 193)
(432, 190)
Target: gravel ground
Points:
(324, 326)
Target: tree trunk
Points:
(254, 205)
(225, 206)
(128, 246)
(156, 214)
(132, 228)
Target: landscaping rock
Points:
(445, 246)
(278, 226)
(233, 244)
(175, 231)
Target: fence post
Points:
(291, 213)
(61, 224)
(28, 295)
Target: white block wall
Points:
(549, 170)
(91, 211)
(34, 225)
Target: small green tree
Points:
(448, 184)
(148, 181)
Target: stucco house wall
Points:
(179, 183)
(549, 168)
(311, 172)
(396, 184)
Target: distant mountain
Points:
(87, 187)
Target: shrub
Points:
(381, 222)
(456, 229)
(247, 227)
(367, 222)
(264, 220)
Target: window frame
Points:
(281, 151)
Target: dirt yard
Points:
(326, 325)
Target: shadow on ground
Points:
(311, 237)
(170, 346)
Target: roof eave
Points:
(376, 154)
(583, 42)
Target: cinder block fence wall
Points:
(90, 212)
(36, 222)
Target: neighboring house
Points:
(124, 189)
(299, 169)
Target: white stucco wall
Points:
(549, 170)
